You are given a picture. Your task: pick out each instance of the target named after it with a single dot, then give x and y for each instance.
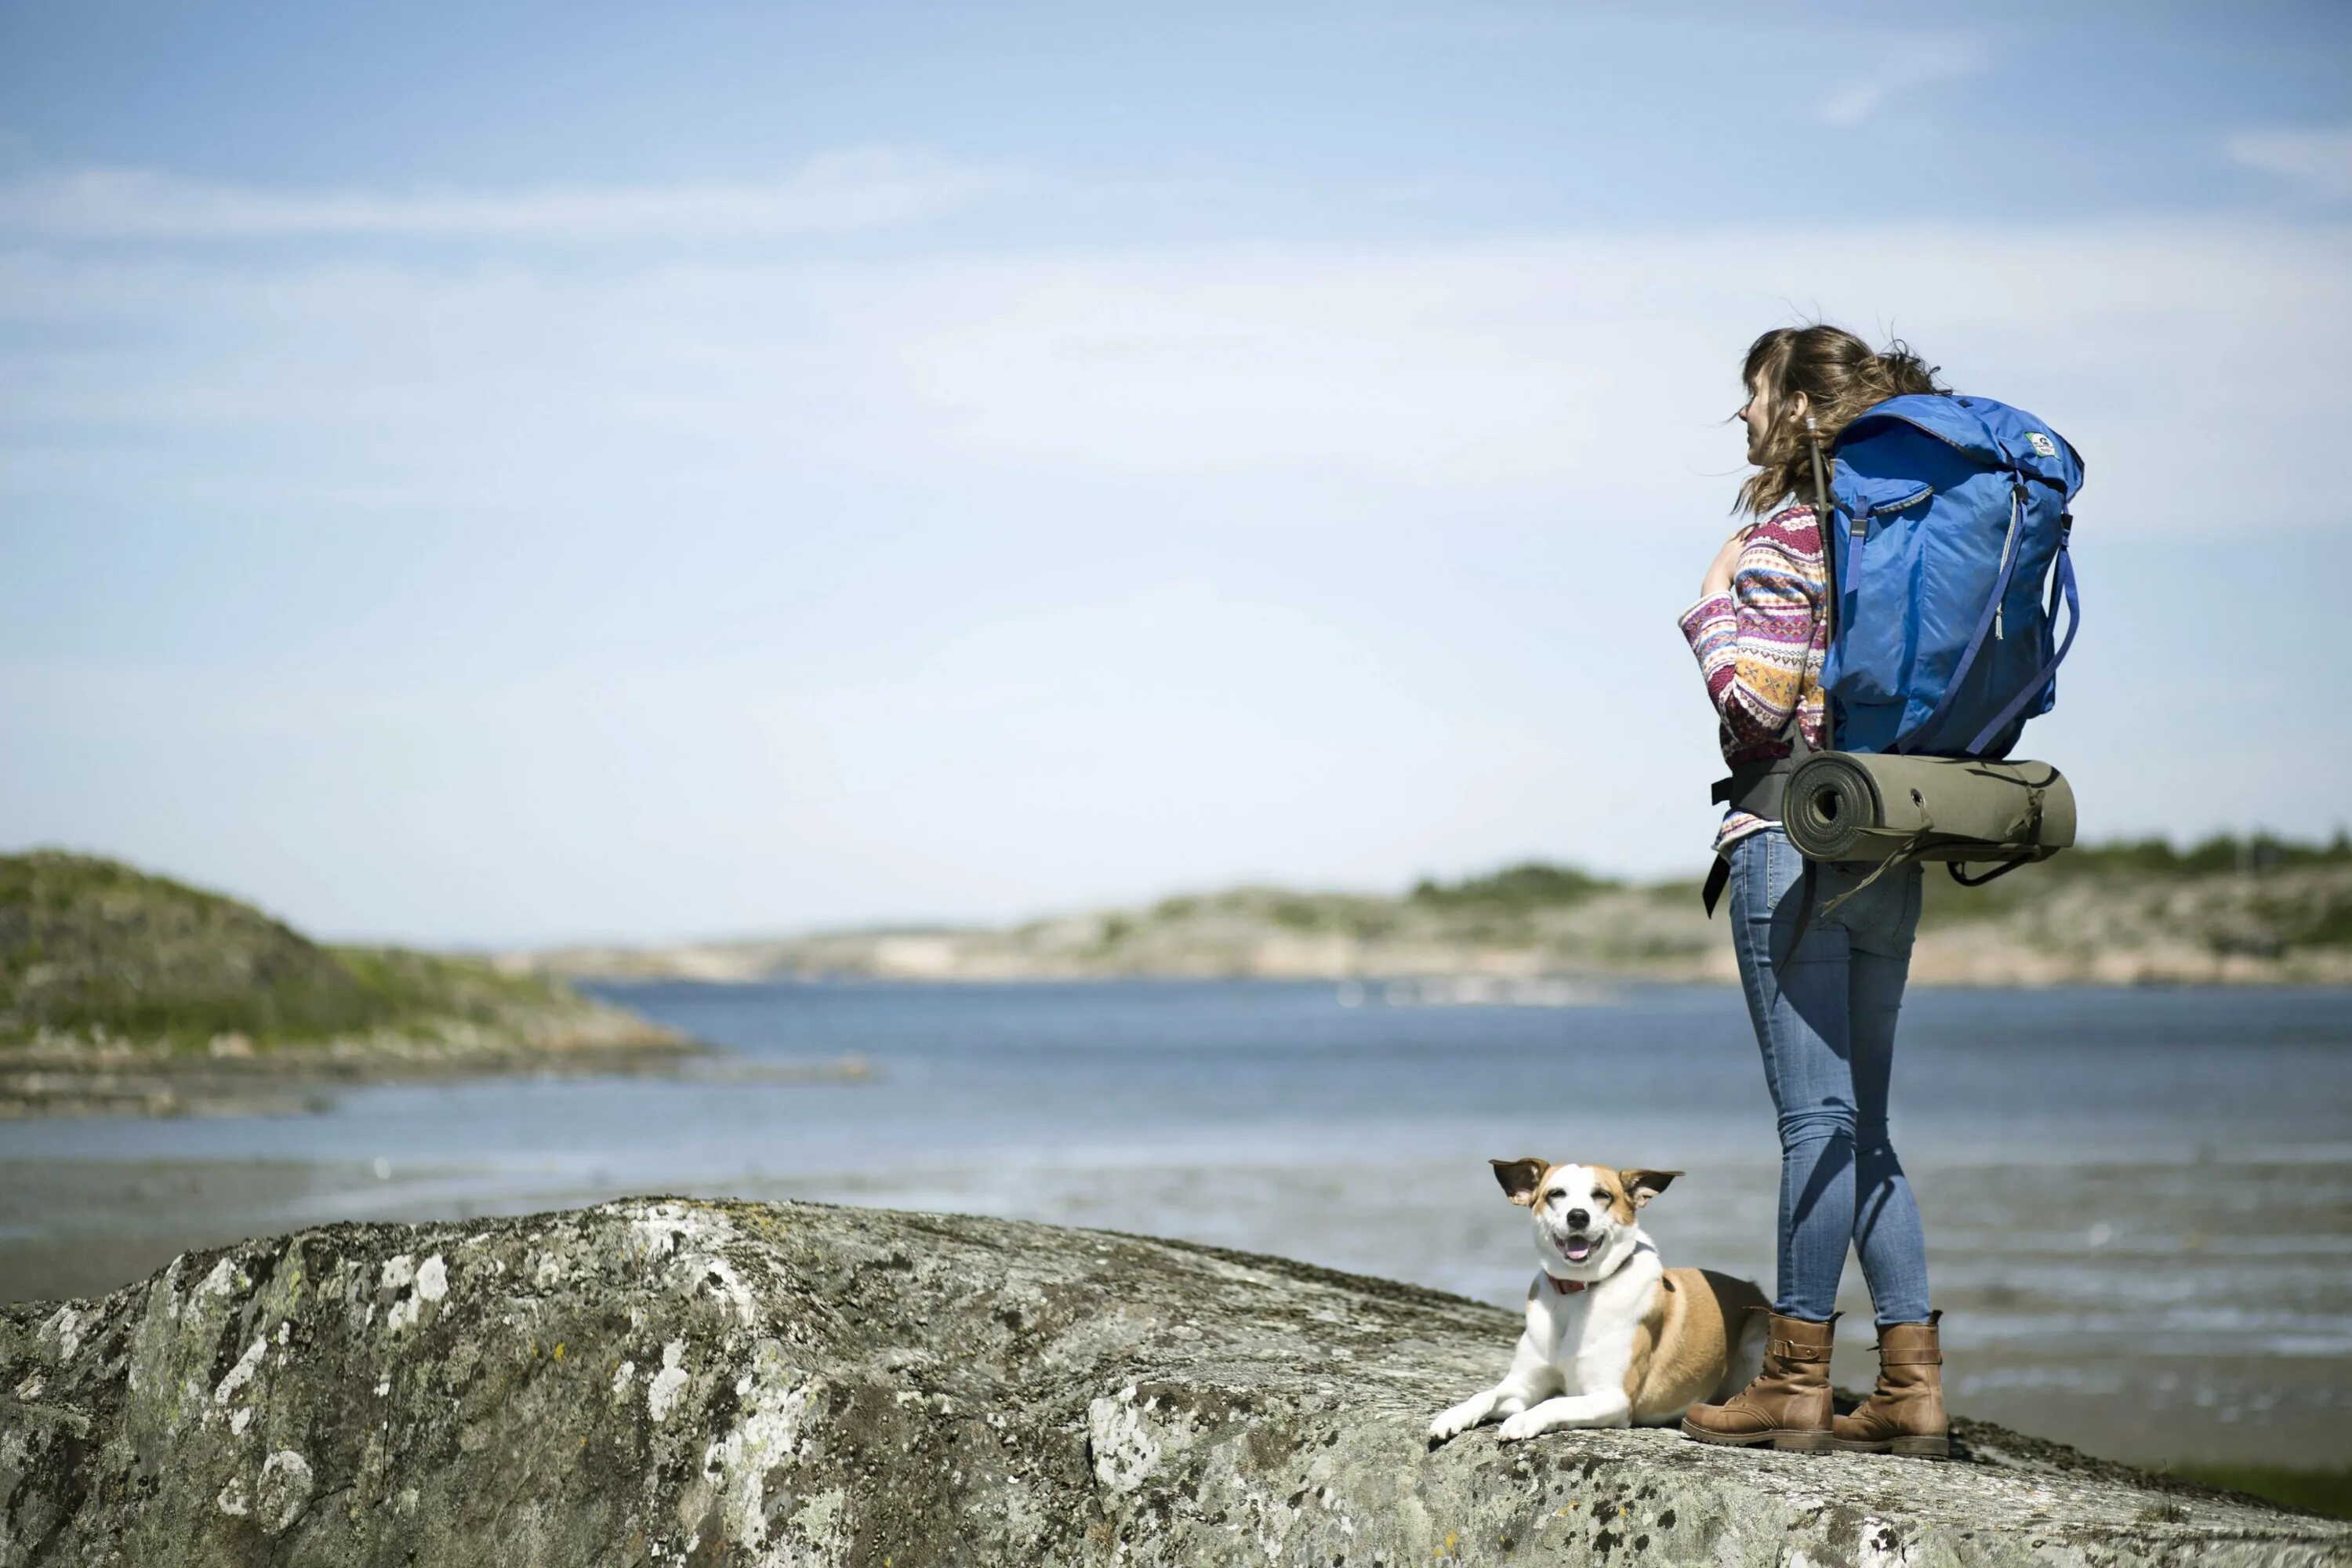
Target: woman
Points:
(1823, 991)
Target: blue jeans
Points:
(1824, 1017)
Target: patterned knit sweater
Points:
(1760, 647)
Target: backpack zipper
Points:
(1862, 517)
(2016, 511)
(1938, 434)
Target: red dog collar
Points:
(1565, 1287)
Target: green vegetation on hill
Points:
(1305, 914)
(2127, 912)
(2277, 910)
(2256, 894)
(2223, 852)
(92, 948)
(1530, 885)
(1539, 884)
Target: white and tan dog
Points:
(1614, 1338)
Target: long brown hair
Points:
(1840, 375)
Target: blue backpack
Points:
(1951, 513)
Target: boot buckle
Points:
(1790, 1349)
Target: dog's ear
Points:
(1644, 1185)
(1520, 1178)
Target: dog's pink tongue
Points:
(1578, 1250)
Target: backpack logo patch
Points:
(2042, 444)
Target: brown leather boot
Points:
(1787, 1406)
(1905, 1413)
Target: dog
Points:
(1613, 1337)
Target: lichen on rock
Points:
(760, 1385)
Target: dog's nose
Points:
(1578, 1220)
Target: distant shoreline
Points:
(2097, 918)
(1566, 992)
(82, 1078)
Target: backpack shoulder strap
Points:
(1824, 532)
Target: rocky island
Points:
(123, 993)
(681, 1381)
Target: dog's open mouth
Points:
(1577, 1249)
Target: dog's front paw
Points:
(1527, 1424)
(1460, 1419)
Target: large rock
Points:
(678, 1382)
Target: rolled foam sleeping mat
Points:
(1864, 806)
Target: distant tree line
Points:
(2223, 852)
(1531, 884)
(1542, 884)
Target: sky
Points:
(508, 474)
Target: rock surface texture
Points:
(670, 1382)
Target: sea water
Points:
(2138, 1202)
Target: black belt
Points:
(1759, 789)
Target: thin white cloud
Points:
(834, 193)
(1581, 374)
(1862, 86)
(2317, 162)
